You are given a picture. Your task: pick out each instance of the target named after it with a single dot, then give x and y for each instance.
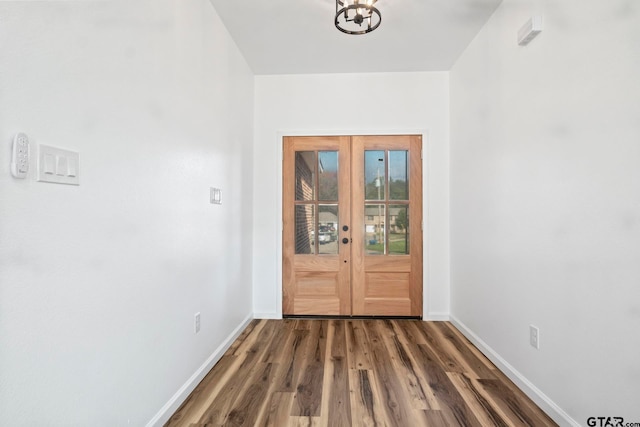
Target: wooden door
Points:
(352, 215)
(386, 175)
(316, 264)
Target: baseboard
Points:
(437, 317)
(542, 400)
(267, 316)
(181, 395)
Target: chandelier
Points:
(357, 16)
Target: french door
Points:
(352, 226)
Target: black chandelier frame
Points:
(358, 17)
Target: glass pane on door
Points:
(398, 229)
(328, 229)
(374, 229)
(398, 176)
(305, 233)
(328, 175)
(375, 175)
(305, 175)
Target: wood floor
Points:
(355, 373)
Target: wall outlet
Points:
(196, 325)
(534, 336)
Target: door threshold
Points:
(330, 317)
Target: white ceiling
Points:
(299, 36)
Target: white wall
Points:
(349, 104)
(99, 283)
(545, 199)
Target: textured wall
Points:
(545, 199)
(99, 283)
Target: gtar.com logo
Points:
(605, 422)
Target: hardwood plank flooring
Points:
(339, 373)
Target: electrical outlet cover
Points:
(534, 336)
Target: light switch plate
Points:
(58, 166)
(215, 196)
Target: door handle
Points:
(345, 240)
(345, 228)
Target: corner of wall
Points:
(534, 393)
(187, 388)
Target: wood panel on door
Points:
(352, 238)
(316, 264)
(386, 176)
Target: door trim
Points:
(426, 148)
